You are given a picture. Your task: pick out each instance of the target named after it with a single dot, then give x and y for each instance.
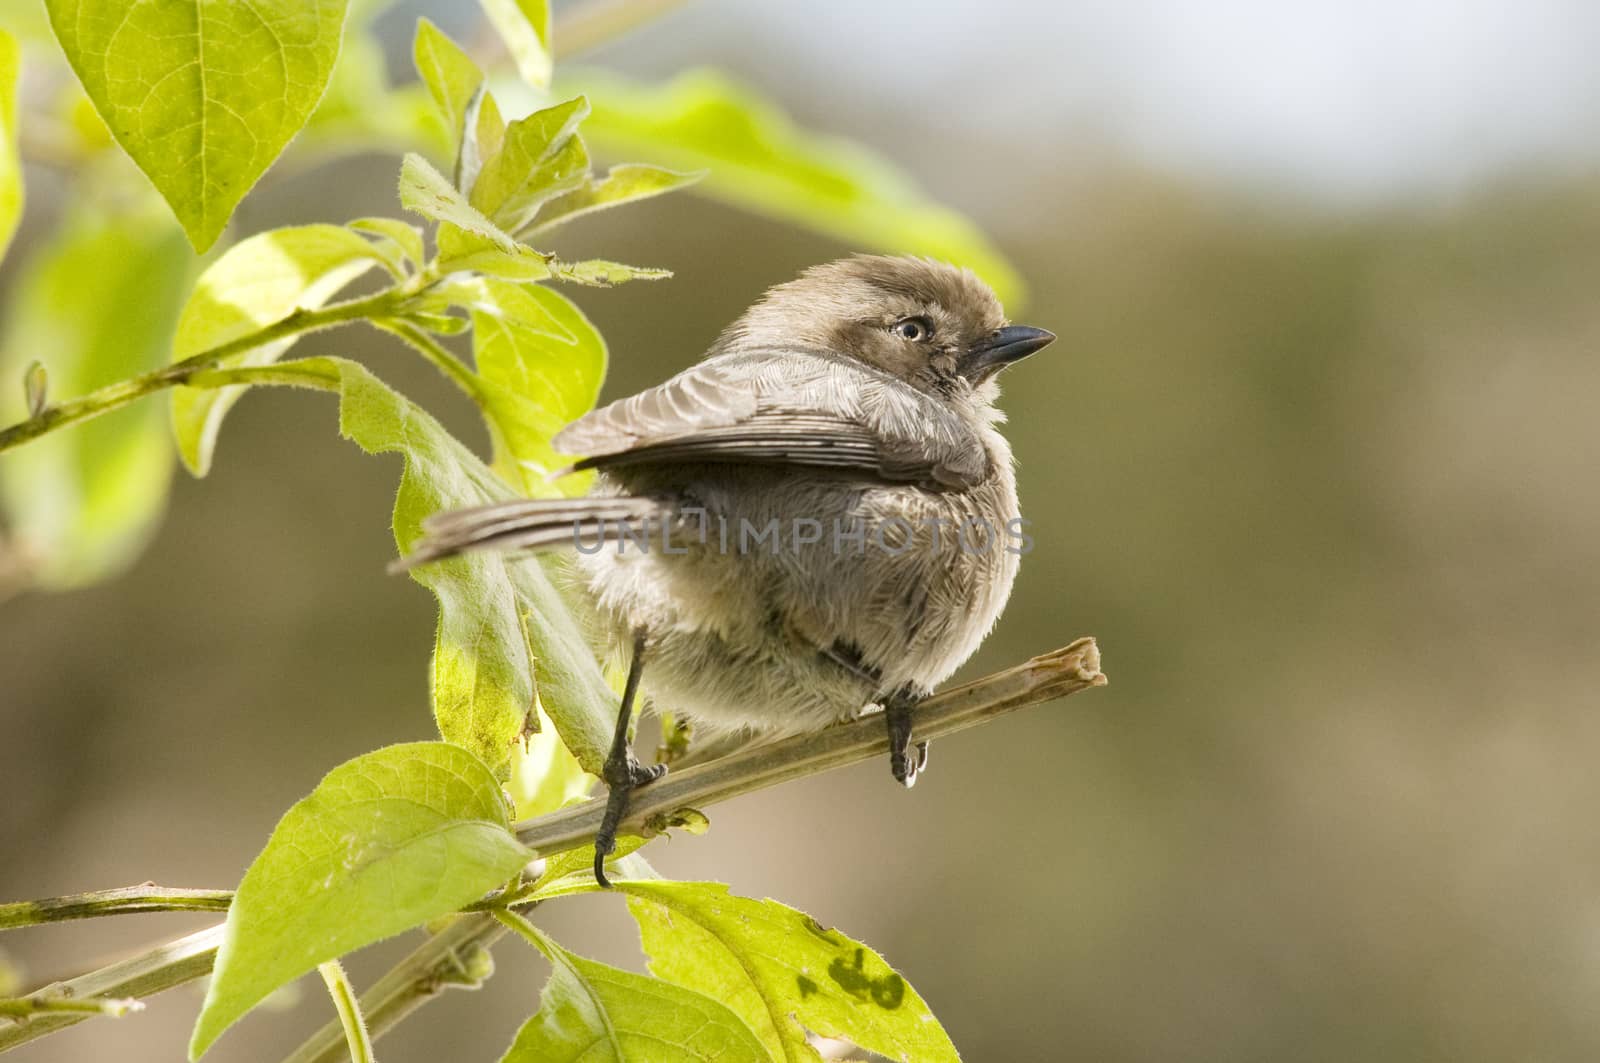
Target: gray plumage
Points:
(860, 395)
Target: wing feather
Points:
(786, 407)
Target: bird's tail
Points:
(535, 524)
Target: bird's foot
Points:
(905, 762)
(622, 776)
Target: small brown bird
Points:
(818, 517)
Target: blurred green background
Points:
(1315, 458)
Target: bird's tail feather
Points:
(533, 524)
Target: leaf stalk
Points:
(115, 396)
(344, 1002)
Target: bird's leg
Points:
(903, 762)
(622, 771)
(897, 708)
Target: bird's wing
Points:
(784, 407)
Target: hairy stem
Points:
(455, 958)
(1053, 675)
(144, 898)
(435, 352)
(123, 392)
(344, 1002)
(287, 374)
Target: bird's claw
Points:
(902, 764)
(622, 777)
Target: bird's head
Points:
(937, 327)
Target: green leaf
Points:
(524, 26)
(203, 94)
(624, 183)
(493, 262)
(782, 972)
(598, 273)
(439, 324)
(428, 192)
(760, 160)
(256, 283)
(485, 136)
(10, 159)
(462, 100)
(451, 76)
(504, 632)
(544, 775)
(386, 842)
(36, 388)
(544, 363)
(594, 1013)
(539, 159)
(408, 238)
(95, 305)
(505, 635)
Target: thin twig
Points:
(1045, 678)
(25, 1008)
(144, 898)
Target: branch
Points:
(1044, 678)
(150, 972)
(144, 898)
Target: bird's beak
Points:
(1002, 347)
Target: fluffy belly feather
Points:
(766, 582)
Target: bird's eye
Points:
(915, 329)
